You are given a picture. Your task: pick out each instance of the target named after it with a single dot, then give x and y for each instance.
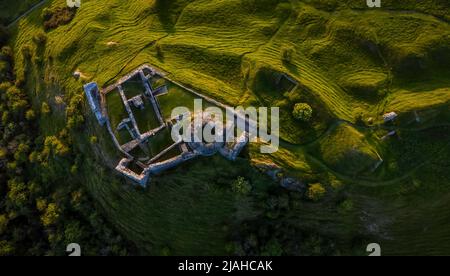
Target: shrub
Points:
(3, 223)
(40, 38)
(26, 51)
(45, 109)
(93, 140)
(241, 186)
(47, 14)
(50, 215)
(302, 112)
(4, 35)
(54, 18)
(7, 53)
(316, 192)
(6, 248)
(3, 153)
(159, 51)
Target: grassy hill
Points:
(351, 63)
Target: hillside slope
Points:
(352, 64)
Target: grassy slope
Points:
(220, 48)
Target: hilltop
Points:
(349, 63)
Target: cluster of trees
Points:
(43, 204)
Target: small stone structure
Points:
(140, 170)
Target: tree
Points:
(16, 99)
(17, 194)
(21, 154)
(93, 140)
(3, 153)
(316, 192)
(54, 147)
(6, 248)
(241, 186)
(302, 112)
(272, 248)
(5, 69)
(26, 51)
(159, 51)
(73, 232)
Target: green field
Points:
(352, 64)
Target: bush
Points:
(54, 18)
(241, 186)
(45, 109)
(6, 248)
(159, 51)
(287, 54)
(3, 223)
(47, 13)
(302, 112)
(316, 192)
